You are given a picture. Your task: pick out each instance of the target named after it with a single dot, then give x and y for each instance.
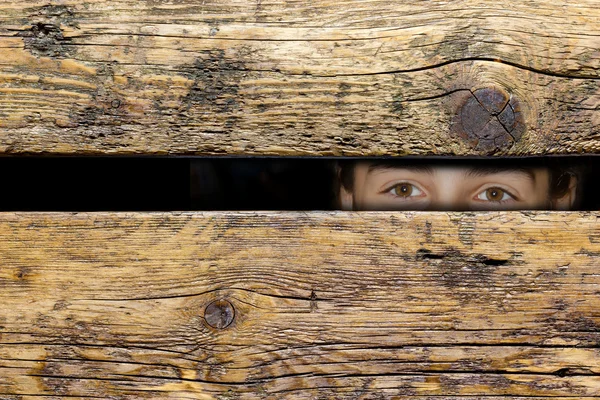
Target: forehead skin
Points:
(449, 188)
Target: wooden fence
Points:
(257, 305)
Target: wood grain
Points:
(370, 305)
(316, 77)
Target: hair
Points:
(560, 170)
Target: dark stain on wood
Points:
(99, 120)
(22, 273)
(60, 305)
(397, 106)
(452, 382)
(580, 323)
(50, 377)
(45, 40)
(468, 277)
(57, 13)
(216, 85)
(313, 301)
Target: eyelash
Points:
(512, 196)
(389, 189)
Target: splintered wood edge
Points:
(296, 305)
(226, 78)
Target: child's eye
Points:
(495, 194)
(405, 189)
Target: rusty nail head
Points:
(219, 314)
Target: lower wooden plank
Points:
(337, 305)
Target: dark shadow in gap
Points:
(203, 184)
(94, 184)
(261, 184)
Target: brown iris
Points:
(403, 189)
(494, 194)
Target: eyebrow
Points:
(482, 171)
(474, 171)
(377, 166)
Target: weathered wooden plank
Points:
(324, 305)
(299, 78)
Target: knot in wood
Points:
(219, 314)
(489, 119)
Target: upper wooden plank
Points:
(306, 77)
(321, 305)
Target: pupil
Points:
(403, 188)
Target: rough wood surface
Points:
(325, 305)
(306, 77)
